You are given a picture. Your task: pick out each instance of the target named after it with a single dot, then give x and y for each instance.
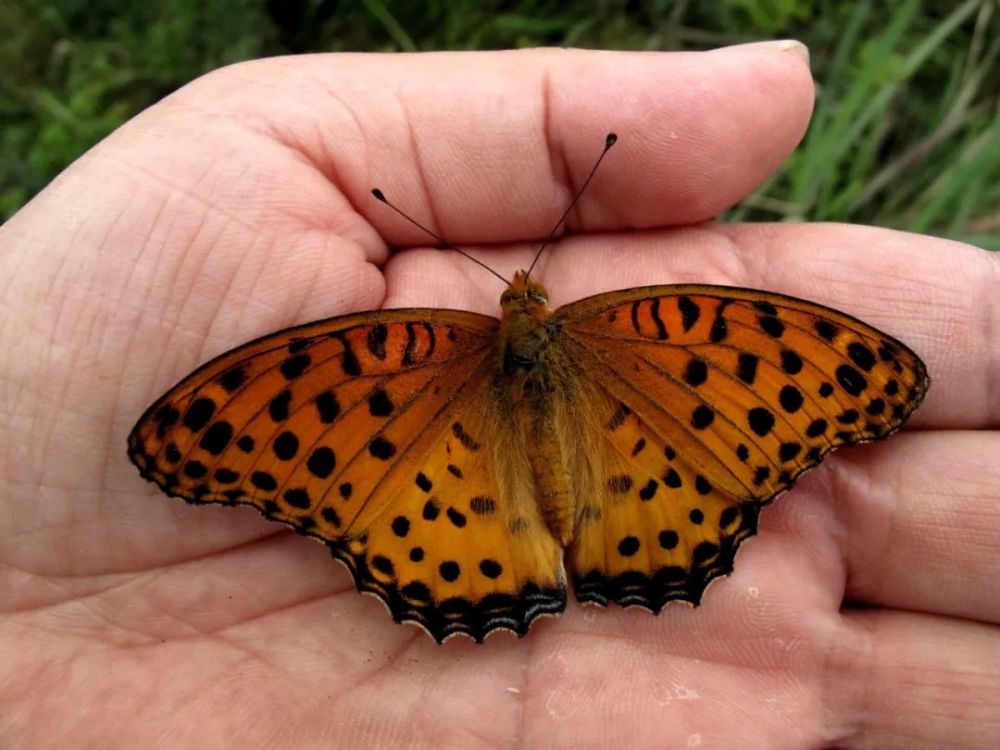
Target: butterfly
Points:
(458, 463)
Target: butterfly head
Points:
(525, 295)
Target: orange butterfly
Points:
(452, 460)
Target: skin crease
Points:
(863, 615)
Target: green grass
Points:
(906, 132)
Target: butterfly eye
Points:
(537, 297)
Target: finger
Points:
(489, 147)
(910, 680)
(921, 526)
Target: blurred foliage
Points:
(906, 132)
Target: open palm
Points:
(864, 613)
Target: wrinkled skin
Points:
(863, 615)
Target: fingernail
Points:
(790, 45)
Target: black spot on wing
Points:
(482, 505)
(327, 407)
(816, 428)
(456, 517)
(618, 418)
(720, 329)
(761, 420)
(295, 365)
(861, 355)
(790, 399)
(791, 362)
(620, 484)
(321, 462)
(648, 490)
(490, 568)
(746, 367)
(654, 311)
(852, 381)
(696, 372)
(411, 344)
(628, 546)
(690, 312)
(166, 418)
(349, 361)
(264, 481)
(702, 417)
(277, 409)
(463, 437)
(375, 340)
(771, 326)
(825, 329)
(431, 510)
(232, 379)
(381, 448)
(286, 445)
(788, 451)
(198, 414)
(217, 437)
(672, 479)
(298, 498)
(379, 404)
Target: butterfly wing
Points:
(716, 400)
(370, 432)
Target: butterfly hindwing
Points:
(732, 394)
(659, 530)
(453, 548)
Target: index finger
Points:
(518, 132)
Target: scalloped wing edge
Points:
(457, 616)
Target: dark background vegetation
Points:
(906, 132)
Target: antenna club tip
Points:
(379, 195)
(611, 140)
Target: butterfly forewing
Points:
(720, 399)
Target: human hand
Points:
(864, 613)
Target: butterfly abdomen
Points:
(529, 382)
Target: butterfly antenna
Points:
(610, 141)
(443, 243)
